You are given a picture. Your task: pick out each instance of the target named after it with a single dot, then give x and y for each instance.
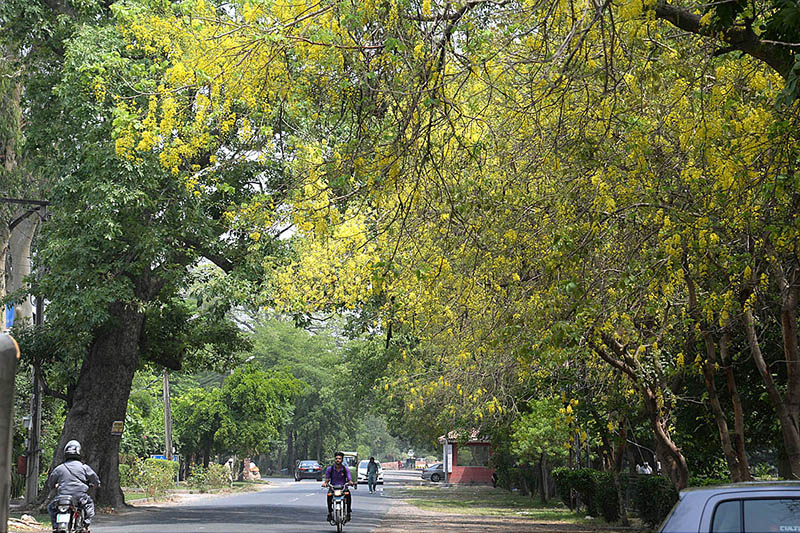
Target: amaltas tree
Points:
(518, 186)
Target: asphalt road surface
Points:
(285, 506)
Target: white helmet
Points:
(73, 448)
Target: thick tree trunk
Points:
(101, 398)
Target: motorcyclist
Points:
(72, 478)
(338, 474)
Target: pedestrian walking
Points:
(372, 474)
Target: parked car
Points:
(362, 472)
(308, 470)
(434, 472)
(756, 507)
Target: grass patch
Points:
(131, 496)
(487, 501)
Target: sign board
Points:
(9, 315)
(161, 456)
(449, 459)
(116, 427)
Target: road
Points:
(285, 506)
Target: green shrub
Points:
(596, 490)
(653, 498)
(125, 475)
(154, 476)
(213, 477)
(561, 478)
(605, 496)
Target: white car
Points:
(362, 472)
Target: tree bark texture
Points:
(101, 398)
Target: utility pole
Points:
(33, 452)
(167, 419)
(35, 434)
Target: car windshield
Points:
(308, 463)
(363, 464)
(435, 467)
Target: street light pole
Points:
(34, 437)
(33, 452)
(167, 419)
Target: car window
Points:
(771, 514)
(308, 463)
(727, 517)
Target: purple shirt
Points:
(339, 477)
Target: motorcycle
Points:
(69, 516)
(339, 507)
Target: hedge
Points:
(652, 496)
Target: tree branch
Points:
(743, 39)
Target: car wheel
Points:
(435, 478)
(319, 479)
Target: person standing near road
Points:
(372, 474)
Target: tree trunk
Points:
(619, 454)
(738, 413)
(789, 430)
(543, 474)
(101, 397)
(709, 368)
(672, 460)
(668, 453)
(290, 449)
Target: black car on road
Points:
(757, 507)
(308, 470)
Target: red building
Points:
(467, 460)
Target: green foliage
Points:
(596, 489)
(241, 417)
(213, 477)
(154, 476)
(653, 498)
(125, 475)
(541, 429)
